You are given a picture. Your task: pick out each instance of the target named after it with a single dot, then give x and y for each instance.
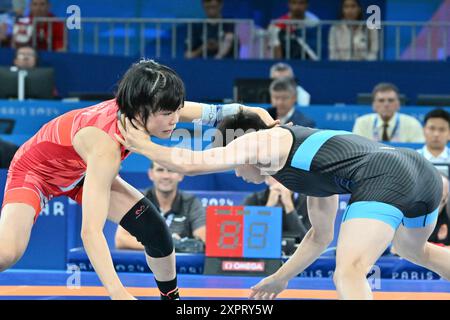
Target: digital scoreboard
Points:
(243, 240)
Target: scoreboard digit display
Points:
(242, 238)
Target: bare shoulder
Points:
(274, 146)
(278, 136)
(91, 140)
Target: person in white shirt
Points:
(437, 133)
(283, 70)
(387, 124)
(350, 41)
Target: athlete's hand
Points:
(135, 137)
(268, 288)
(286, 199)
(274, 197)
(265, 116)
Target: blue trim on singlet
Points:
(387, 213)
(305, 153)
(421, 221)
(374, 210)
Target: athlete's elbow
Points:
(322, 239)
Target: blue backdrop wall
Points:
(328, 82)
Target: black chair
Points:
(367, 99)
(433, 100)
(252, 90)
(7, 126)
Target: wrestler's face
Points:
(161, 124)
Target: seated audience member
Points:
(23, 29)
(283, 97)
(387, 124)
(5, 22)
(184, 213)
(283, 70)
(7, 152)
(26, 58)
(219, 43)
(441, 234)
(348, 41)
(437, 133)
(9, 11)
(15, 8)
(301, 46)
(295, 213)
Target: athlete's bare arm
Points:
(255, 150)
(102, 156)
(193, 111)
(322, 213)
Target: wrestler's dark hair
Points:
(148, 87)
(238, 124)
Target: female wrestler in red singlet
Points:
(77, 155)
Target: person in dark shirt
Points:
(302, 37)
(184, 213)
(295, 213)
(441, 234)
(283, 96)
(220, 36)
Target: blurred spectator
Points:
(437, 133)
(26, 58)
(283, 70)
(295, 213)
(15, 7)
(9, 11)
(184, 213)
(4, 34)
(7, 152)
(220, 37)
(23, 29)
(283, 96)
(350, 41)
(387, 124)
(441, 234)
(300, 43)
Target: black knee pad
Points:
(146, 223)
